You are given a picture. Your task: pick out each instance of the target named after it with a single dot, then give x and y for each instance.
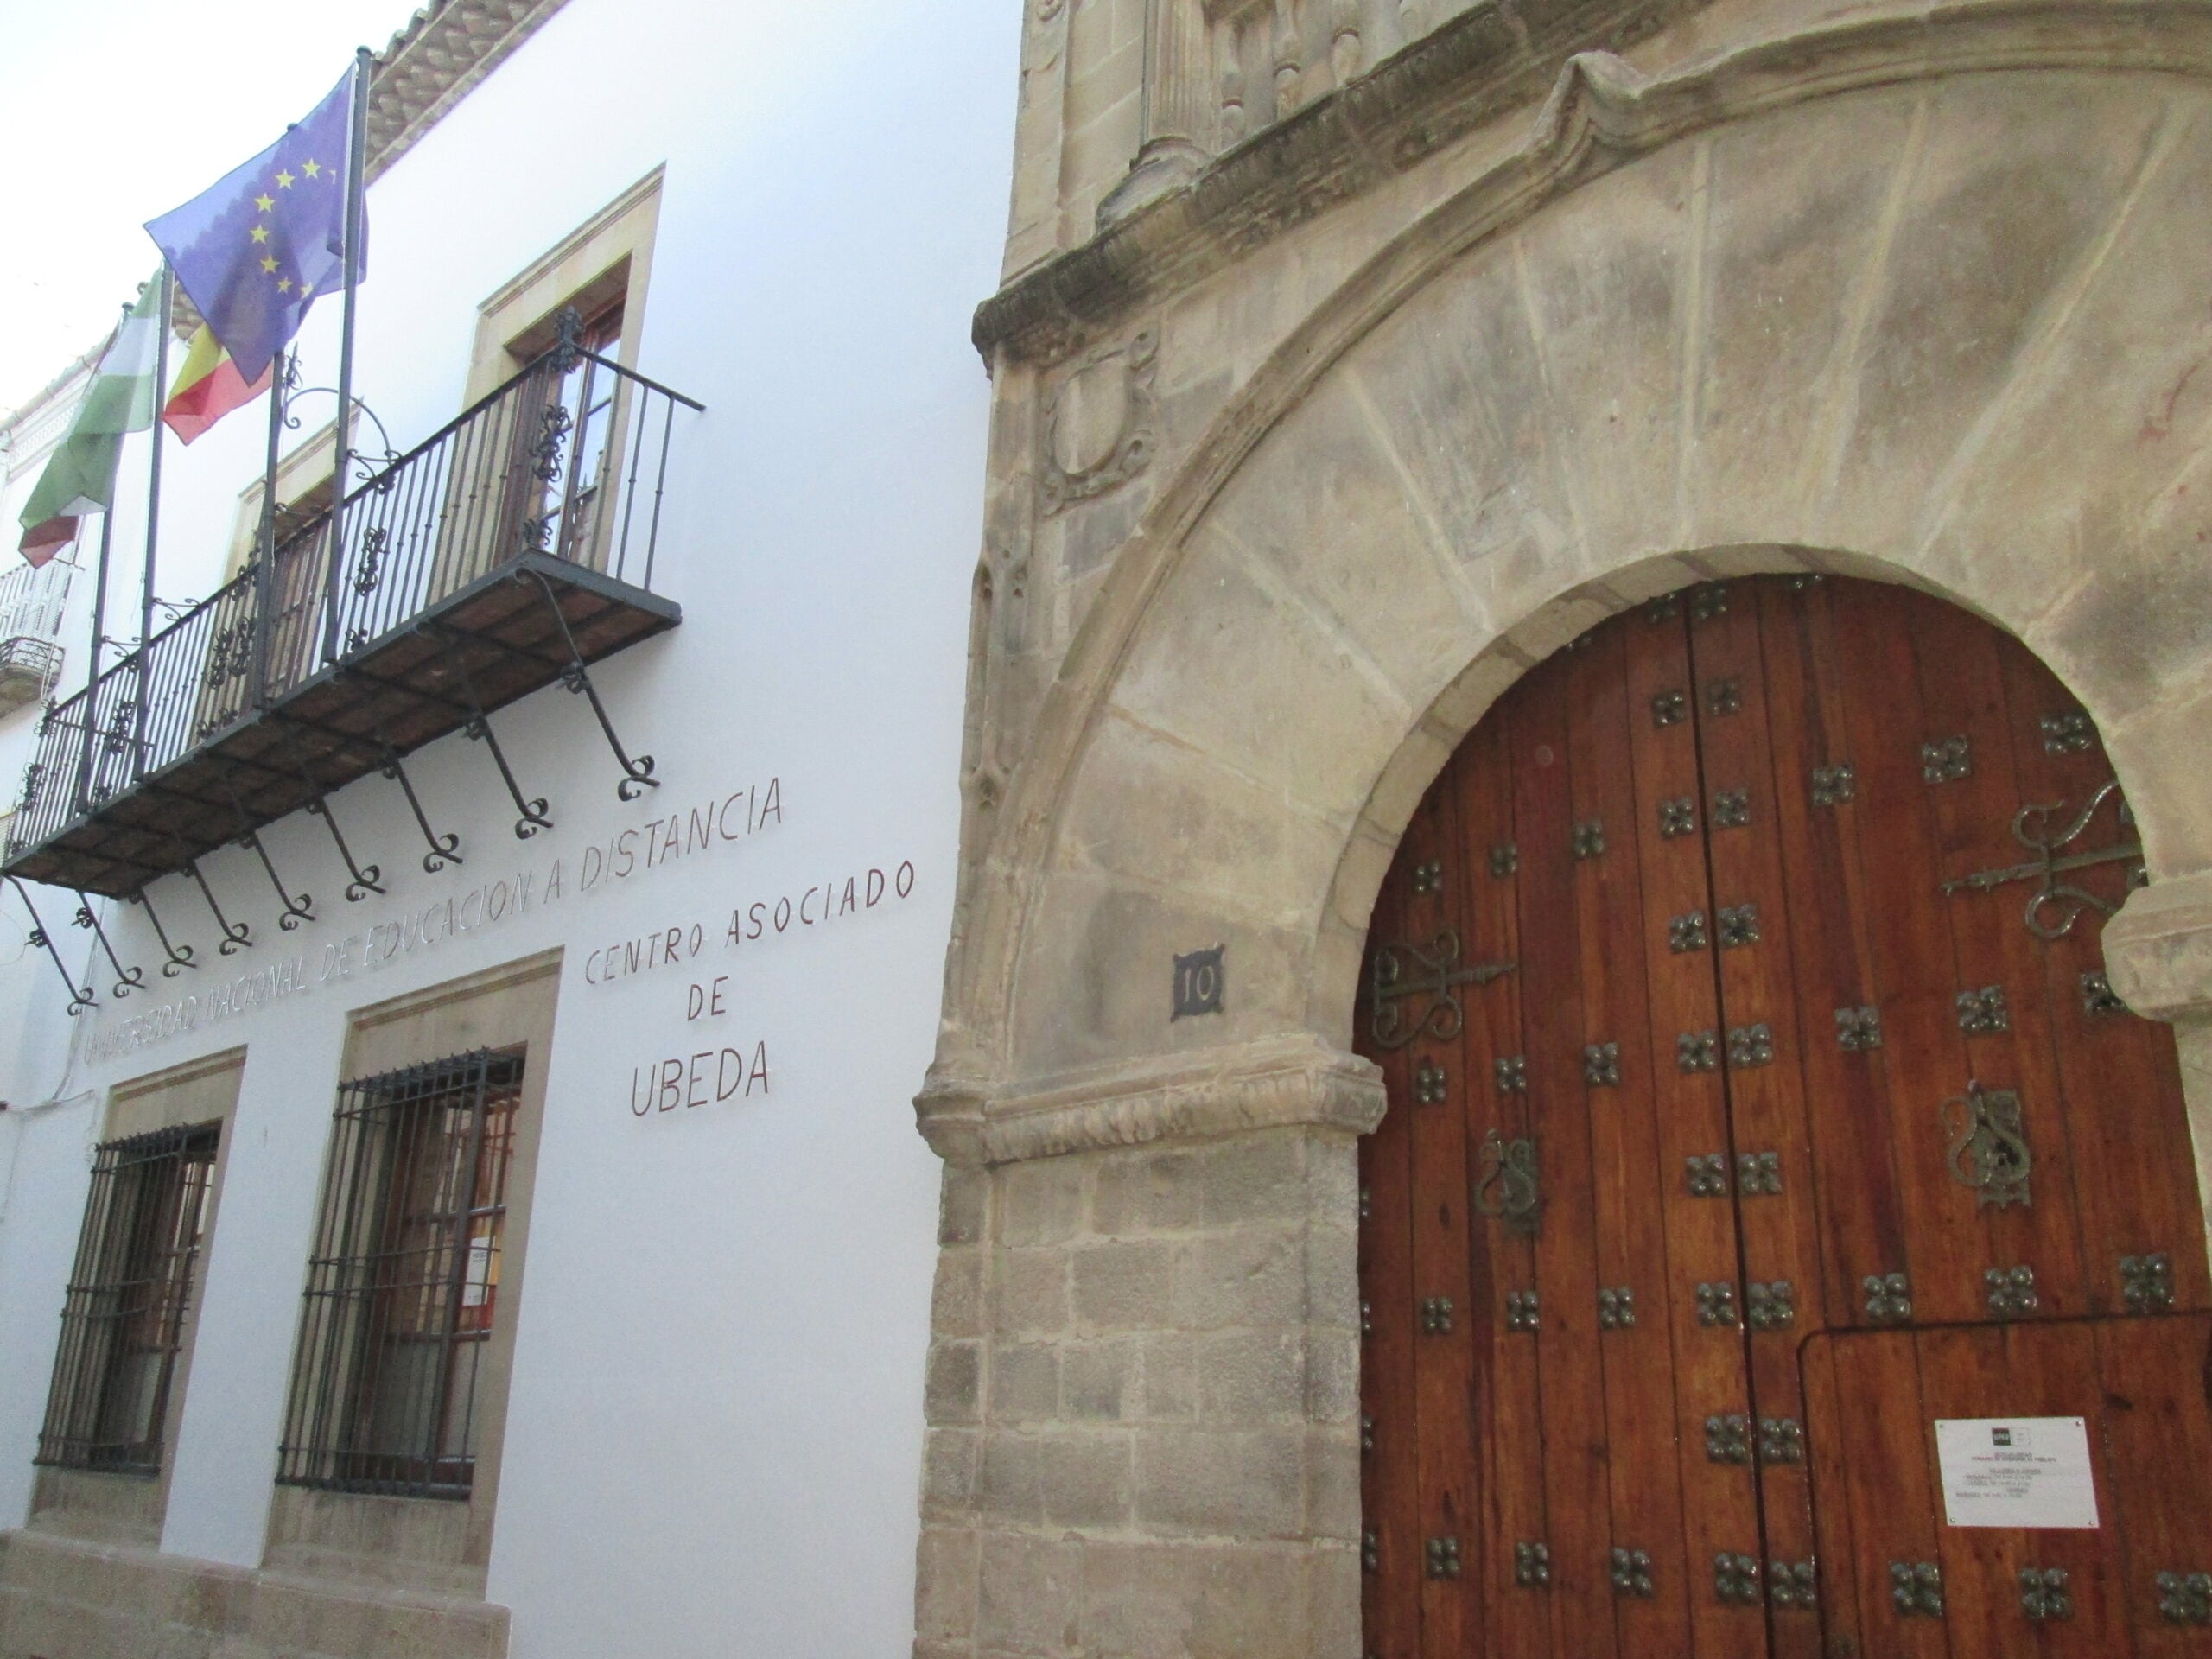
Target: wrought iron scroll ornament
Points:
(1507, 1190)
(2057, 905)
(80, 996)
(637, 771)
(1988, 1148)
(127, 980)
(178, 957)
(1400, 972)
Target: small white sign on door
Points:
(2016, 1472)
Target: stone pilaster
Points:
(1143, 1391)
(1176, 83)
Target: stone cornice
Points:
(1273, 1083)
(446, 49)
(1482, 63)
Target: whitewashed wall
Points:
(714, 1433)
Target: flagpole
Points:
(357, 151)
(264, 562)
(92, 673)
(153, 522)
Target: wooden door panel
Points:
(2157, 1376)
(1575, 836)
(1962, 695)
(1442, 1425)
(1578, 1504)
(1629, 1229)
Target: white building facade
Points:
(699, 1428)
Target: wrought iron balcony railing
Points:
(29, 668)
(509, 551)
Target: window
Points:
(123, 1323)
(403, 1280)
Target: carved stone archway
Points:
(1913, 297)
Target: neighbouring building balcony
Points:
(29, 668)
(511, 550)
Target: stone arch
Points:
(1902, 296)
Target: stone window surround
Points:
(128, 1509)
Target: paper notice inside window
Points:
(2016, 1472)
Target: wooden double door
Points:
(1756, 1100)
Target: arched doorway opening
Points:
(1757, 1104)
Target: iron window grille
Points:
(402, 1281)
(123, 1318)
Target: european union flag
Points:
(254, 251)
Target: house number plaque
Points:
(1198, 982)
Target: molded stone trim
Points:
(1485, 62)
(2159, 949)
(1274, 1083)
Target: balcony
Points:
(511, 550)
(29, 668)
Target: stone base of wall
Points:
(72, 1598)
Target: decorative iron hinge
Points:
(1889, 1297)
(1708, 1174)
(1728, 1438)
(2146, 1282)
(1735, 1578)
(1698, 1050)
(1984, 1012)
(1507, 1189)
(1406, 970)
(1857, 1030)
(1601, 1065)
(1724, 697)
(1631, 1574)
(2011, 1292)
(1677, 817)
(1442, 1557)
(1738, 925)
(1946, 760)
(1758, 1174)
(1771, 1306)
(1431, 1085)
(1916, 1589)
(1750, 1046)
(1522, 1310)
(1435, 1315)
(1616, 1307)
(1532, 1566)
(1686, 933)
(2031, 827)
(2098, 996)
(1835, 786)
(1989, 1145)
(1782, 1439)
(1505, 860)
(1716, 1303)
(2184, 1598)
(1588, 840)
(1510, 1072)
(1670, 708)
(2044, 1594)
(1794, 1586)
(1732, 809)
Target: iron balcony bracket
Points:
(637, 774)
(532, 814)
(444, 849)
(79, 998)
(127, 980)
(237, 935)
(361, 882)
(295, 911)
(179, 956)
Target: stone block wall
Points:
(1143, 1405)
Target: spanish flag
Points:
(208, 387)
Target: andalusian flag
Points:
(80, 477)
(208, 387)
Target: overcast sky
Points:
(113, 111)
